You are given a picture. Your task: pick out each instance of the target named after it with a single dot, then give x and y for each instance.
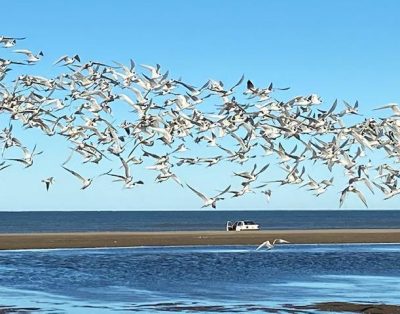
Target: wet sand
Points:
(367, 308)
(336, 307)
(178, 238)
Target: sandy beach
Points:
(132, 239)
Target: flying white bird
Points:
(49, 181)
(85, 182)
(269, 246)
(210, 201)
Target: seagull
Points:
(28, 157)
(31, 57)
(267, 194)
(9, 42)
(49, 181)
(67, 60)
(251, 176)
(85, 182)
(127, 178)
(210, 201)
(269, 246)
(351, 188)
(77, 104)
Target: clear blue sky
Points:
(338, 49)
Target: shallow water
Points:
(198, 279)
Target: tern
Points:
(127, 178)
(352, 189)
(28, 157)
(210, 201)
(49, 181)
(31, 57)
(269, 246)
(85, 182)
(163, 115)
(67, 60)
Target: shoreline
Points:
(15, 241)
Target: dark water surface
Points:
(192, 220)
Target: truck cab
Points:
(242, 225)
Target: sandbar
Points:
(12, 241)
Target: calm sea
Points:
(57, 221)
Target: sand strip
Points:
(127, 239)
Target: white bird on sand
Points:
(269, 246)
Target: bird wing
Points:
(24, 51)
(342, 197)
(224, 191)
(202, 196)
(149, 67)
(261, 186)
(280, 241)
(27, 153)
(60, 59)
(262, 245)
(127, 99)
(368, 184)
(263, 169)
(69, 158)
(266, 244)
(4, 167)
(250, 85)
(254, 169)
(238, 83)
(331, 109)
(361, 196)
(18, 159)
(115, 175)
(75, 174)
(384, 107)
(126, 167)
(192, 89)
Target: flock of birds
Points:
(163, 121)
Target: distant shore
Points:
(179, 238)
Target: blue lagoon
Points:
(199, 279)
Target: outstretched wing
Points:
(281, 241)
(224, 191)
(75, 174)
(361, 196)
(266, 244)
(202, 196)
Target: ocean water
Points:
(52, 221)
(198, 279)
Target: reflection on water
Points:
(204, 278)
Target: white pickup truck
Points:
(242, 225)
